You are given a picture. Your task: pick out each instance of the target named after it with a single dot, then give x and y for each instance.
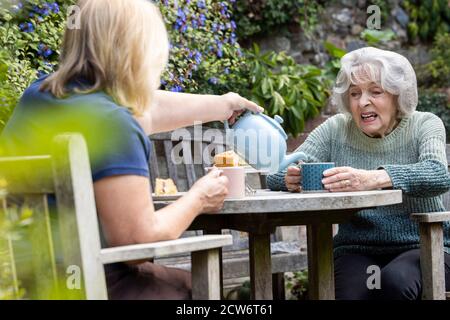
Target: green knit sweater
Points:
(414, 157)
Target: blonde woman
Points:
(108, 77)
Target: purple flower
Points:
(198, 57)
(201, 4)
(213, 80)
(44, 50)
(16, 8)
(202, 19)
(233, 25)
(26, 27)
(176, 89)
(54, 7)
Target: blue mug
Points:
(312, 175)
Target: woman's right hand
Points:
(292, 179)
(211, 190)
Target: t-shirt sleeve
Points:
(118, 146)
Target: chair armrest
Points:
(164, 248)
(431, 217)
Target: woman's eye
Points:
(354, 94)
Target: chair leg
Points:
(432, 261)
(278, 286)
(205, 275)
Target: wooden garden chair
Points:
(431, 253)
(66, 174)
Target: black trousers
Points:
(399, 276)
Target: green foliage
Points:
(373, 36)
(283, 87)
(333, 66)
(427, 18)
(8, 94)
(205, 56)
(21, 252)
(298, 285)
(31, 36)
(438, 104)
(439, 67)
(266, 16)
(11, 230)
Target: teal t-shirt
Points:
(116, 143)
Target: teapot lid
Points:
(276, 122)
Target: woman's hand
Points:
(292, 179)
(236, 105)
(342, 179)
(211, 190)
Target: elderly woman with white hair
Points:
(379, 141)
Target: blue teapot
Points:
(261, 142)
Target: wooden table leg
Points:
(260, 266)
(218, 231)
(320, 261)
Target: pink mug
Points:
(236, 181)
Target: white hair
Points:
(390, 70)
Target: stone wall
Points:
(341, 23)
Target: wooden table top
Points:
(277, 201)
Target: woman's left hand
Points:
(236, 105)
(342, 179)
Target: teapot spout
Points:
(293, 157)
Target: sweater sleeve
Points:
(316, 147)
(429, 176)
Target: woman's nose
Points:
(364, 100)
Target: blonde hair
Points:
(392, 71)
(120, 47)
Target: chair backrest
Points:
(195, 147)
(66, 174)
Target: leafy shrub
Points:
(373, 36)
(205, 55)
(30, 35)
(266, 16)
(436, 103)
(333, 66)
(427, 18)
(439, 67)
(8, 97)
(298, 285)
(295, 92)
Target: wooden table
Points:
(261, 213)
